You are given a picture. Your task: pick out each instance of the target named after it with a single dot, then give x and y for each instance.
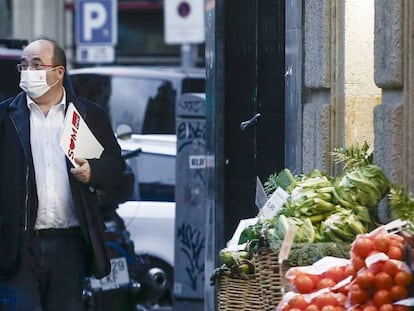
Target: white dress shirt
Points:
(56, 208)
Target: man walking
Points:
(50, 227)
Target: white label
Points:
(274, 204)
(117, 277)
(197, 161)
(395, 225)
(95, 54)
(405, 302)
(370, 260)
(287, 243)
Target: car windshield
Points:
(155, 177)
(146, 105)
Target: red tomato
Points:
(315, 278)
(383, 281)
(328, 308)
(376, 267)
(298, 301)
(362, 246)
(396, 240)
(357, 295)
(401, 308)
(336, 274)
(343, 290)
(312, 307)
(365, 279)
(370, 308)
(398, 292)
(341, 298)
(387, 307)
(303, 284)
(382, 242)
(395, 252)
(326, 283)
(325, 299)
(357, 262)
(403, 278)
(349, 271)
(390, 268)
(382, 297)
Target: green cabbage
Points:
(305, 230)
(343, 226)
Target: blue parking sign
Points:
(96, 22)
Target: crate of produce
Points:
(271, 276)
(238, 293)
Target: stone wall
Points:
(322, 124)
(393, 62)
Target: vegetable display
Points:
(329, 209)
(375, 278)
(342, 257)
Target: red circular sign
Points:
(184, 9)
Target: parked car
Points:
(10, 53)
(143, 98)
(149, 215)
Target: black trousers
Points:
(50, 277)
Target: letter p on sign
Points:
(95, 17)
(96, 22)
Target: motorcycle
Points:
(133, 283)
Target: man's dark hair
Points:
(59, 56)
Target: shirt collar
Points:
(30, 102)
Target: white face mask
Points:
(34, 83)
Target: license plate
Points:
(118, 276)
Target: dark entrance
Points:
(245, 66)
(254, 83)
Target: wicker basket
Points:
(238, 294)
(270, 278)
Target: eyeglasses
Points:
(34, 66)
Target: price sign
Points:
(274, 204)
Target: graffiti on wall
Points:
(192, 245)
(190, 132)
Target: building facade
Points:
(348, 78)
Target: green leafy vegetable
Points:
(283, 179)
(342, 226)
(402, 205)
(305, 230)
(353, 156)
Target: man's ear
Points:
(61, 72)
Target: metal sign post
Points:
(184, 24)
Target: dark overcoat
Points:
(18, 193)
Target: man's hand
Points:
(83, 171)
